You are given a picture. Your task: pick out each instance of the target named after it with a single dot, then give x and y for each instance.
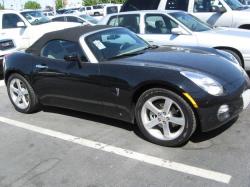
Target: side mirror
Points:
(21, 24)
(178, 31)
(71, 58)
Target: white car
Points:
(48, 14)
(7, 46)
(223, 13)
(26, 27)
(181, 28)
(96, 10)
(81, 18)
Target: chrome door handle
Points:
(41, 66)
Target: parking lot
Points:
(57, 147)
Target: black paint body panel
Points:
(110, 88)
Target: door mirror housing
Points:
(178, 31)
(71, 58)
(21, 24)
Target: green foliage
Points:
(94, 2)
(32, 5)
(59, 4)
(1, 7)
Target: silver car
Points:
(181, 28)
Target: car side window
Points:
(71, 19)
(130, 21)
(159, 24)
(206, 5)
(10, 21)
(177, 5)
(59, 49)
(61, 19)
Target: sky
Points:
(18, 4)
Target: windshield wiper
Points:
(139, 52)
(241, 8)
(126, 55)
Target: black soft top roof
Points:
(70, 34)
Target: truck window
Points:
(130, 21)
(10, 21)
(177, 5)
(131, 5)
(206, 5)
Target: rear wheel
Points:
(22, 94)
(164, 117)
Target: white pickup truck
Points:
(26, 27)
(224, 13)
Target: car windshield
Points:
(191, 22)
(115, 43)
(89, 18)
(235, 5)
(35, 17)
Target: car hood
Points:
(223, 32)
(190, 59)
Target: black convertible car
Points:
(167, 91)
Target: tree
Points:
(1, 7)
(59, 4)
(90, 2)
(32, 5)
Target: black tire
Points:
(235, 55)
(96, 14)
(33, 101)
(190, 122)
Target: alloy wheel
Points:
(163, 118)
(19, 93)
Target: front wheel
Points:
(164, 117)
(21, 94)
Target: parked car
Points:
(7, 46)
(112, 72)
(61, 11)
(111, 9)
(48, 14)
(82, 18)
(224, 13)
(26, 27)
(245, 2)
(181, 28)
(71, 12)
(96, 10)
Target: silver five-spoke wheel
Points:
(163, 118)
(19, 93)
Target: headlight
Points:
(205, 82)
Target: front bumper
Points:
(208, 112)
(209, 116)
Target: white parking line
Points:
(208, 174)
(2, 83)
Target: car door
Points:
(158, 31)
(206, 11)
(71, 83)
(11, 29)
